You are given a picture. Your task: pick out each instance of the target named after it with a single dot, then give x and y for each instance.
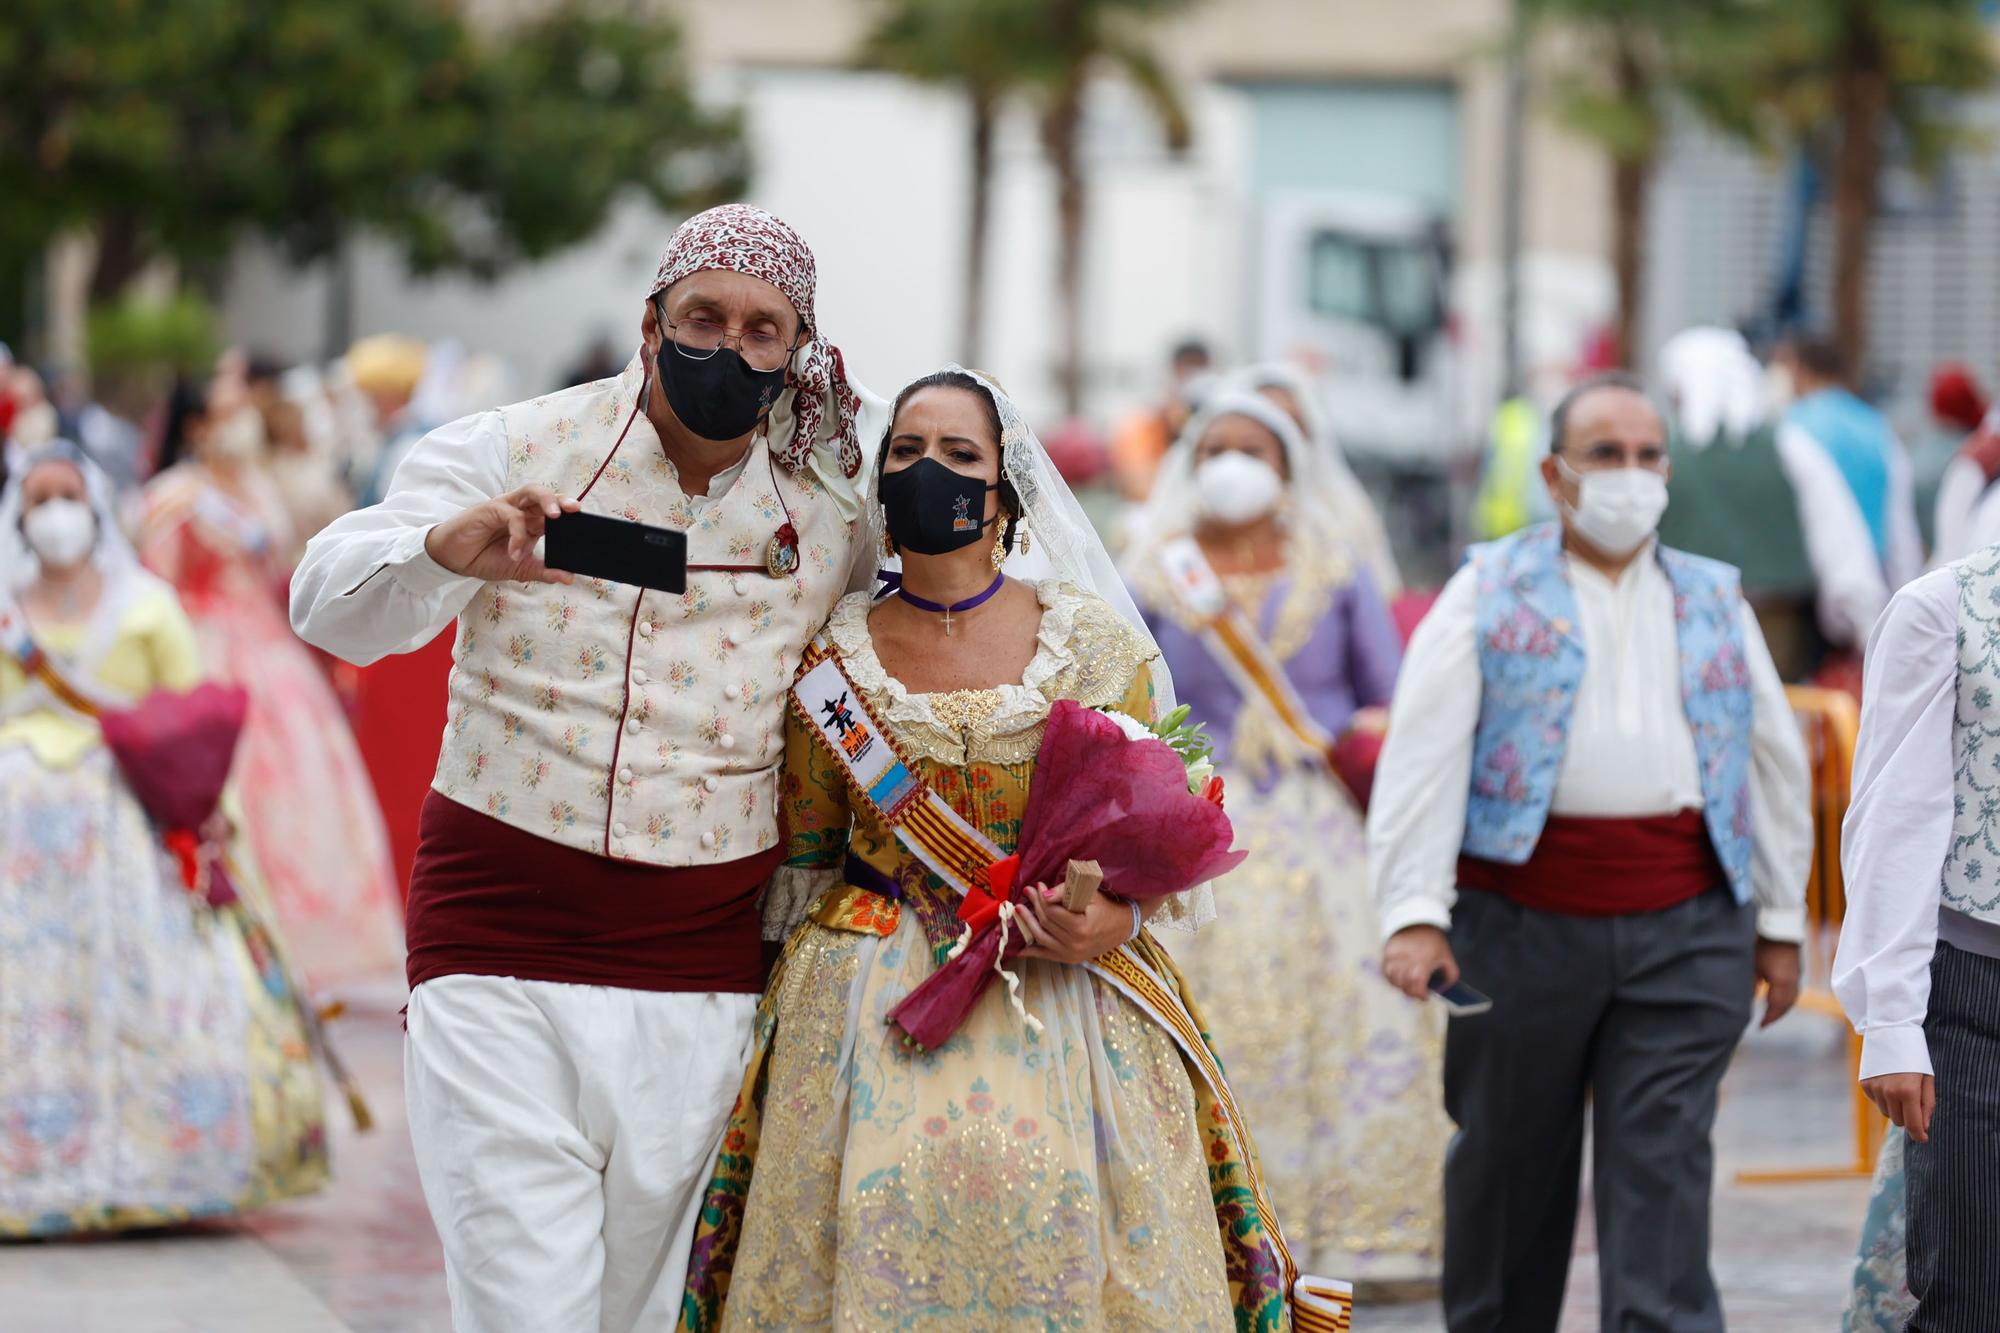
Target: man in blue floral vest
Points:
(1593, 803)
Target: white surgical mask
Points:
(1617, 509)
(60, 532)
(1236, 488)
(238, 437)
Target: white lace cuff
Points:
(790, 898)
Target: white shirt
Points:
(1898, 826)
(1630, 751)
(1853, 582)
(366, 586)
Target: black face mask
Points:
(933, 510)
(718, 397)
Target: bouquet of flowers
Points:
(175, 751)
(1143, 803)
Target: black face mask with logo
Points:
(933, 510)
(717, 395)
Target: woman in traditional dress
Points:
(153, 1063)
(213, 525)
(1341, 1072)
(1081, 1176)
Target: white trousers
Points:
(563, 1136)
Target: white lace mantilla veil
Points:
(1312, 498)
(112, 553)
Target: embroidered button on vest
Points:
(1531, 662)
(630, 723)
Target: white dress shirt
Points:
(1853, 583)
(367, 588)
(1630, 750)
(1898, 825)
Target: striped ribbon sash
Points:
(1237, 646)
(17, 643)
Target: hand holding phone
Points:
(1459, 1000)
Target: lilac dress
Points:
(1338, 1072)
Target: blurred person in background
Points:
(1360, 524)
(1857, 452)
(1279, 640)
(215, 526)
(154, 1067)
(585, 923)
(1141, 440)
(1737, 493)
(1593, 799)
(1957, 407)
(1967, 514)
(32, 420)
(113, 443)
(304, 477)
(600, 361)
(386, 369)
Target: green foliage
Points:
(138, 337)
(174, 126)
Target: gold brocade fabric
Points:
(1009, 1180)
(1340, 1071)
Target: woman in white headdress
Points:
(1279, 640)
(153, 1063)
(1358, 524)
(1077, 1171)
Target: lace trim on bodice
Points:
(1083, 652)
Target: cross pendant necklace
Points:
(940, 609)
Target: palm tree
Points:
(1080, 37)
(1832, 78)
(984, 48)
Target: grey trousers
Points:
(1635, 1016)
(1954, 1180)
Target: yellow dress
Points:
(1008, 1180)
(153, 1065)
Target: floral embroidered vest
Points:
(1531, 662)
(637, 724)
(1972, 862)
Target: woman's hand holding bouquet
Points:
(1143, 803)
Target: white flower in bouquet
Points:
(1184, 738)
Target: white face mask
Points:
(60, 532)
(1236, 488)
(238, 437)
(1617, 509)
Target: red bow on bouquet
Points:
(1098, 795)
(176, 751)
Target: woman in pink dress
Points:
(213, 525)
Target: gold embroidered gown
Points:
(1008, 1180)
(1342, 1072)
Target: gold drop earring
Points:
(999, 551)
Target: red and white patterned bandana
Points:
(738, 238)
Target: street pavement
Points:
(363, 1258)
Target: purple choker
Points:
(937, 609)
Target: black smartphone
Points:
(619, 550)
(1459, 1000)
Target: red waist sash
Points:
(488, 899)
(1606, 867)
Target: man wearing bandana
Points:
(584, 929)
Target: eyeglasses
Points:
(700, 339)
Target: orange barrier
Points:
(1829, 719)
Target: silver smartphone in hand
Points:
(1459, 1000)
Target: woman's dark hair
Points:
(187, 400)
(1010, 501)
